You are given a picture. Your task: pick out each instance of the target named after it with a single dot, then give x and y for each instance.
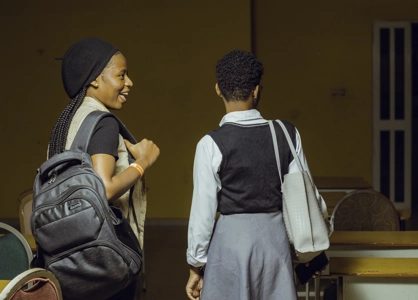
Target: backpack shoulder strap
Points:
(85, 132)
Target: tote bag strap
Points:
(292, 148)
(276, 149)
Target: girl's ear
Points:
(218, 91)
(94, 83)
(255, 92)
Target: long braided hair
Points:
(59, 133)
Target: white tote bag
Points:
(302, 215)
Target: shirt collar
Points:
(251, 116)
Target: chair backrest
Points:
(33, 284)
(15, 253)
(365, 210)
(25, 210)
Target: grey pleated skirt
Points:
(249, 259)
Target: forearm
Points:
(121, 183)
(115, 184)
(196, 270)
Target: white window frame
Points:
(392, 125)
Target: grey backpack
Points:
(86, 243)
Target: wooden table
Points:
(374, 239)
(340, 184)
(404, 214)
(374, 264)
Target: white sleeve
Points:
(293, 168)
(206, 184)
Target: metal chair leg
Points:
(317, 288)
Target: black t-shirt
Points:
(105, 139)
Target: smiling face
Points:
(112, 86)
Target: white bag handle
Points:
(276, 148)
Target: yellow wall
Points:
(310, 48)
(307, 47)
(171, 47)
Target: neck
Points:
(240, 105)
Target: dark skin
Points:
(195, 283)
(111, 88)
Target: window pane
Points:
(399, 166)
(385, 163)
(384, 74)
(399, 73)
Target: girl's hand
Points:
(195, 284)
(145, 152)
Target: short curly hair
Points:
(238, 73)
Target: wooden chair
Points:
(15, 253)
(25, 210)
(365, 210)
(33, 284)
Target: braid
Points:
(59, 134)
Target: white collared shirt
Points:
(207, 184)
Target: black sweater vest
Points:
(248, 172)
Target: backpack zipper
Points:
(53, 177)
(71, 190)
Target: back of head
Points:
(83, 62)
(237, 74)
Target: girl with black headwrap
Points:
(95, 77)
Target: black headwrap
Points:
(83, 62)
